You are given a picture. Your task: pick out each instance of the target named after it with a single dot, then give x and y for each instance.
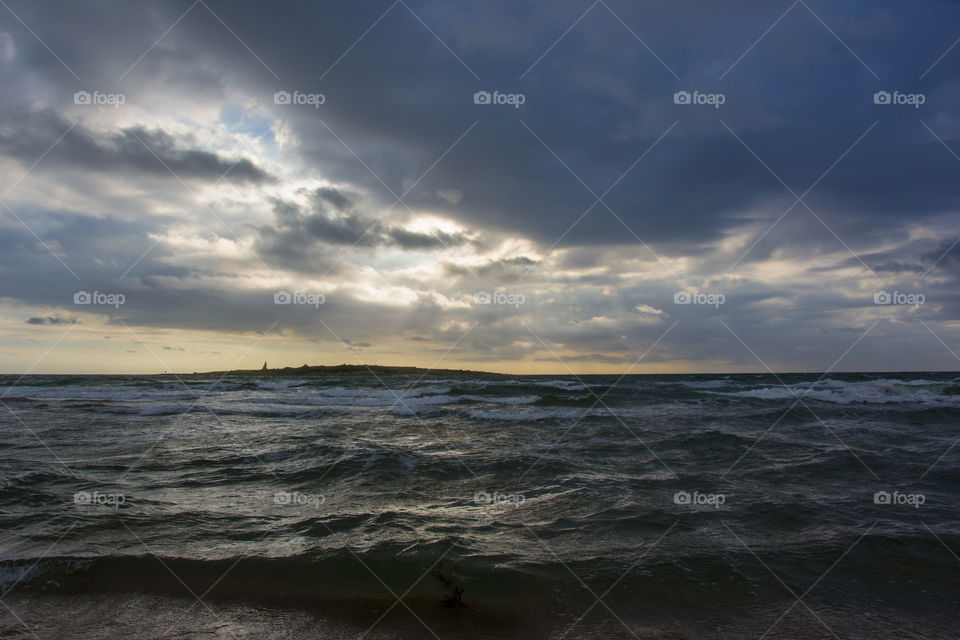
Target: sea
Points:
(480, 506)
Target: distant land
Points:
(346, 370)
(386, 370)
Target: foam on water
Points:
(880, 391)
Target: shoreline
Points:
(138, 614)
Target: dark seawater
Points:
(698, 506)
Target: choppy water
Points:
(699, 500)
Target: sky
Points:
(553, 187)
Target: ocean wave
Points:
(16, 399)
(532, 414)
(498, 399)
(880, 391)
(573, 400)
(706, 384)
(562, 384)
(101, 393)
(494, 574)
(493, 580)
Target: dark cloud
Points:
(131, 149)
(897, 268)
(300, 237)
(413, 241)
(501, 270)
(51, 320)
(599, 100)
(338, 200)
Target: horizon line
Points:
(293, 370)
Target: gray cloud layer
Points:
(700, 187)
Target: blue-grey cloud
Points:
(25, 135)
(687, 190)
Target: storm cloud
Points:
(417, 162)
